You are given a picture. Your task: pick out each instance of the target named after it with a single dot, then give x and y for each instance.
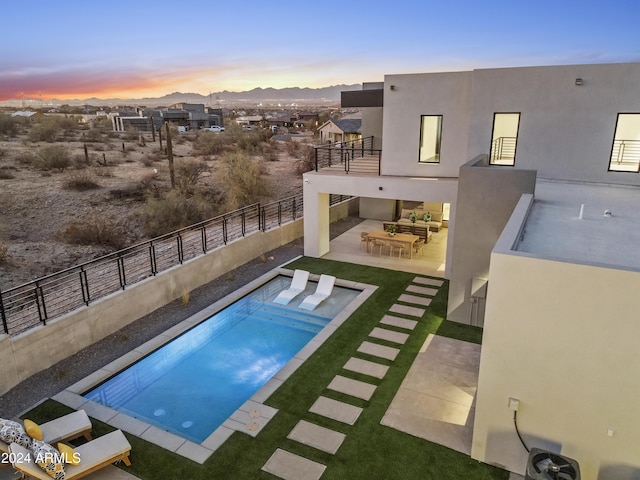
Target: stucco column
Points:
(316, 220)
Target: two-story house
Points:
(540, 168)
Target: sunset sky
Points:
(72, 49)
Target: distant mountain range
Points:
(266, 96)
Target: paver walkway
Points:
(290, 466)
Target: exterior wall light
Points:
(392, 88)
(578, 81)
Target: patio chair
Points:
(376, 242)
(298, 284)
(419, 246)
(364, 239)
(323, 291)
(61, 429)
(94, 455)
(399, 246)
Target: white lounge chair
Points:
(94, 455)
(324, 289)
(298, 284)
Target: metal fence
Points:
(34, 303)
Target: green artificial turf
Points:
(370, 450)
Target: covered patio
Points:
(430, 261)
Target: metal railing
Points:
(626, 152)
(503, 148)
(36, 302)
(357, 156)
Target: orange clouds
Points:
(79, 84)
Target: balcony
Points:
(356, 156)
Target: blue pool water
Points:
(191, 385)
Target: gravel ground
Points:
(67, 372)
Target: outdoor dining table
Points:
(407, 238)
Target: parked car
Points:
(214, 128)
(248, 128)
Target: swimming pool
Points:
(191, 385)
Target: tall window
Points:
(504, 138)
(430, 133)
(625, 153)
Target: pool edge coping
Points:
(249, 418)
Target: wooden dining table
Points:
(407, 238)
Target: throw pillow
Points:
(49, 459)
(427, 217)
(33, 429)
(11, 432)
(69, 455)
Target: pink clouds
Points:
(80, 83)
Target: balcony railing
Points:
(625, 155)
(355, 156)
(503, 150)
(34, 303)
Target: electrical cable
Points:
(515, 423)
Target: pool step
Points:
(288, 316)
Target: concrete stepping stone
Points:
(365, 367)
(290, 466)
(349, 386)
(415, 299)
(422, 290)
(399, 322)
(428, 281)
(406, 310)
(382, 351)
(336, 410)
(389, 335)
(316, 436)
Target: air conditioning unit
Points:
(544, 465)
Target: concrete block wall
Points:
(43, 346)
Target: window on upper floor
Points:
(625, 152)
(430, 137)
(504, 138)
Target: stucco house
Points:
(539, 166)
(340, 130)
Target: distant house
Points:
(31, 116)
(341, 130)
(249, 120)
(192, 116)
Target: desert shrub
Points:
(54, 157)
(26, 158)
(104, 171)
(188, 173)
(292, 148)
(174, 211)
(243, 179)
(270, 151)
(4, 252)
(93, 136)
(80, 181)
(306, 159)
(44, 132)
(5, 174)
(95, 230)
(8, 125)
(146, 187)
(147, 161)
(208, 143)
(250, 142)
